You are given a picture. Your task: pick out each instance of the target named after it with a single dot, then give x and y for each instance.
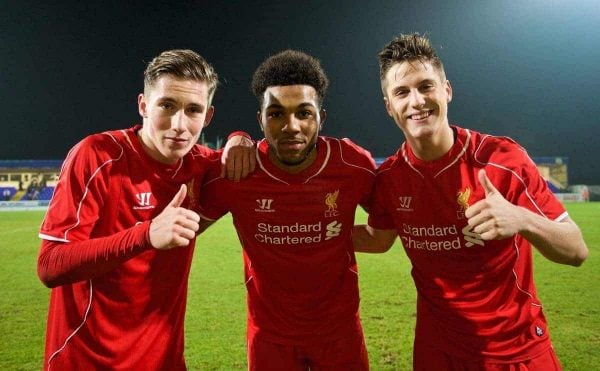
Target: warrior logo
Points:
(331, 202)
(264, 205)
(143, 200)
(405, 202)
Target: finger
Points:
(475, 209)
(485, 226)
(184, 232)
(179, 241)
(476, 220)
(245, 169)
(223, 163)
(231, 168)
(190, 215)
(486, 183)
(179, 197)
(253, 161)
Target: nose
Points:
(292, 125)
(178, 121)
(416, 98)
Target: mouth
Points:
(291, 144)
(421, 115)
(178, 142)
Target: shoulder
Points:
(99, 148)
(351, 153)
(500, 150)
(390, 163)
(204, 156)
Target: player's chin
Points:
(292, 160)
(175, 154)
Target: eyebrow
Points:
(278, 105)
(173, 100)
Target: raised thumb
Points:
(486, 183)
(179, 197)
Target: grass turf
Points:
(215, 323)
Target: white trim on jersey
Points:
(499, 166)
(462, 152)
(87, 311)
(65, 237)
(339, 142)
(325, 161)
(533, 299)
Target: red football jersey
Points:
(131, 316)
(295, 230)
(476, 299)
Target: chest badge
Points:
(331, 203)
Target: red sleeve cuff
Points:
(239, 132)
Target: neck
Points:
(432, 148)
(308, 160)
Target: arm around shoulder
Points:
(558, 241)
(368, 239)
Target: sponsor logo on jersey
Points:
(143, 201)
(331, 202)
(297, 233)
(333, 229)
(405, 203)
(462, 198)
(264, 205)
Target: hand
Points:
(493, 218)
(238, 158)
(175, 226)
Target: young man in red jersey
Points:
(467, 207)
(294, 217)
(118, 236)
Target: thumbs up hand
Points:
(493, 217)
(175, 226)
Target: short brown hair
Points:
(290, 67)
(408, 48)
(183, 64)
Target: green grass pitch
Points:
(215, 323)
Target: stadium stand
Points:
(28, 180)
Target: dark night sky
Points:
(525, 69)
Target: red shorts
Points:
(347, 354)
(426, 359)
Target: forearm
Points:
(62, 263)
(370, 240)
(560, 242)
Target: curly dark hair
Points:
(408, 48)
(290, 67)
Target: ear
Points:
(448, 88)
(259, 119)
(388, 107)
(142, 107)
(323, 116)
(209, 115)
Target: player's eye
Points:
(400, 93)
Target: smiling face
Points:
(174, 112)
(416, 96)
(291, 118)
